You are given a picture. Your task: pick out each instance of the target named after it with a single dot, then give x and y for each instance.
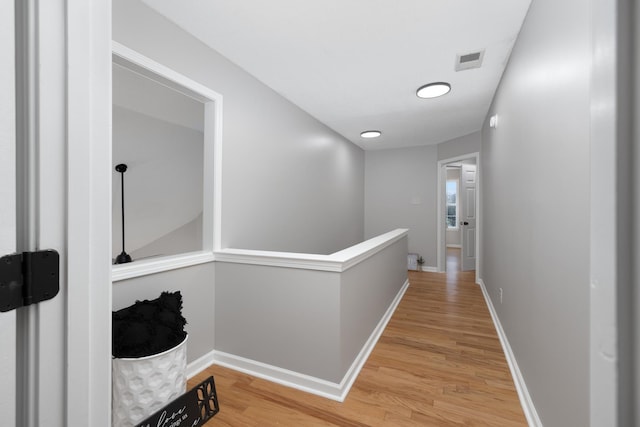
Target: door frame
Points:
(7, 210)
(464, 231)
(66, 376)
(88, 28)
(63, 127)
(441, 223)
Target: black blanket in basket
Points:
(148, 327)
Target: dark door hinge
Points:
(28, 278)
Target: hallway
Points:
(438, 363)
(453, 259)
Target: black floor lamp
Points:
(124, 257)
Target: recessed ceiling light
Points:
(371, 134)
(433, 90)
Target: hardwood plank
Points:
(438, 363)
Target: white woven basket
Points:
(143, 385)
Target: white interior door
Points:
(468, 182)
(7, 206)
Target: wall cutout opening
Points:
(166, 129)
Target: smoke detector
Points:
(469, 60)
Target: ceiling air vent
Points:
(469, 60)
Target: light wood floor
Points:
(454, 260)
(438, 363)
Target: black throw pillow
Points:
(148, 327)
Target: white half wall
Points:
(309, 328)
(284, 317)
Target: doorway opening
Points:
(458, 213)
(454, 259)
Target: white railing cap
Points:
(336, 262)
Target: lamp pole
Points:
(124, 257)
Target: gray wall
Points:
(635, 317)
(184, 239)
(289, 182)
(163, 182)
(635, 302)
(401, 191)
(466, 144)
(535, 168)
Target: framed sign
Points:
(192, 409)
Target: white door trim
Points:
(7, 208)
(64, 126)
(40, 130)
(441, 230)
(88, 400)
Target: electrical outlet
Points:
(500, 295)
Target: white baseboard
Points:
(200, 364)
(307, 383)
(278, 375)
(264, 371)
(429, 269)
(521, 387)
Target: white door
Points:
(7, 208)
(468, 181)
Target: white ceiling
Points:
(356, 64)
